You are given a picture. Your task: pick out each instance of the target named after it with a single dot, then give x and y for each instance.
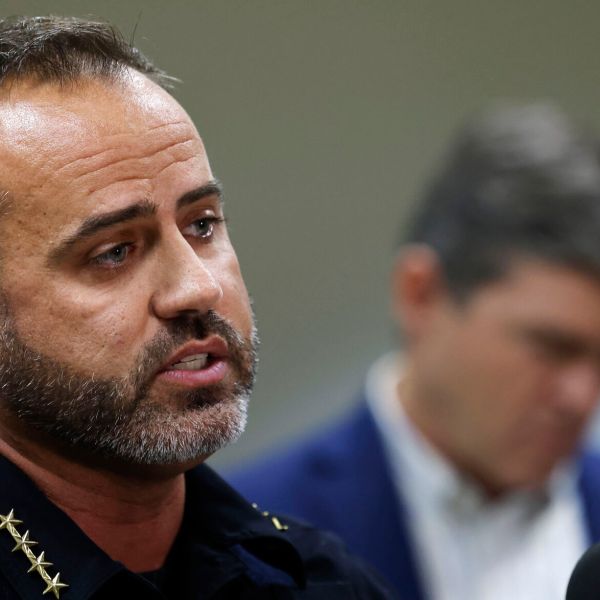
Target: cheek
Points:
(72, 325)
(495, 361)
(487, 385)
(508, 399)
(518, 377)
(235, 304)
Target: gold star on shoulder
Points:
(38, 563)
(276, 522)
(8, 521)
(54, 585)
(23, 542)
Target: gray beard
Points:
(121, 419)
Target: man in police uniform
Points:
(127, 347)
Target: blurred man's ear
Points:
(417, 288)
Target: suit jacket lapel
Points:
(365, 505)
(589, 487)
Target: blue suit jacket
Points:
(339, 480)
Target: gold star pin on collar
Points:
(276, 522)
(23, 542)
(39, 563)
(8, 521)
(54, 585)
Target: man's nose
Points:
(184, 282)
(579, 387)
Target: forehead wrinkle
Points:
(156, 173)
(120, 151)
(140, 167)
(170, 124)
(112, 162)
(117, 146)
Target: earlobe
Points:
(417, 287)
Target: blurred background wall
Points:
(322, 119)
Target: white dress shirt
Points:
(521, 547)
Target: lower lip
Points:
(210, 375)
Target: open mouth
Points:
(198, 363)
(194, 362)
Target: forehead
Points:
(93, 141)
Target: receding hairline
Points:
(126, 77)
(62, 49)
(123, 82)
(68, 52)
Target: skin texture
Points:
(94, 305)
(504, 384)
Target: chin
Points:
(534, 478)
(159, 441)
(173, 440)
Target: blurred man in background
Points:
(459, 475)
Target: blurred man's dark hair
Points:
(519, 181)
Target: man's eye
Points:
(557, 349)
(203, 228)
(114, 256)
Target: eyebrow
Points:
(212, 188)
(145, 208)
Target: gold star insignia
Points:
(54, 586)
(23, 543)
(39, 564)
(278, 524)
(9, 519)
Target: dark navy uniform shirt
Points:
(226, 548)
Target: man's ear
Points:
(418, 287)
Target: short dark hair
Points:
(64, 50)
(520, 181)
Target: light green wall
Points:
(322, 117)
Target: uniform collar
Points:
(218, 518)
(219, 525)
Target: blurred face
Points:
(126, 330)
(504, 384)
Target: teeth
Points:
(191, 362)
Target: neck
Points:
(132, 519)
